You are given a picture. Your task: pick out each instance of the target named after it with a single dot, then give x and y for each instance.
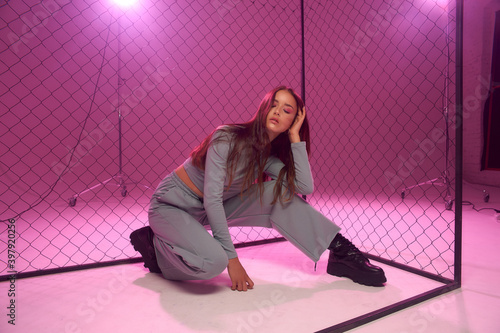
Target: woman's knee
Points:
(214, 265)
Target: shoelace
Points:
(351, 250)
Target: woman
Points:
(225, 182)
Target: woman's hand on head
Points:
(239, 277)
(293, 132)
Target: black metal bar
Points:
(409, 269)
(119, 97)
(459, 140)
(385, 311)
(303, 74)
(69, 269)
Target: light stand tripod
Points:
(120, 176)
(442, 180)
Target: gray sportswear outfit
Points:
(185, 250)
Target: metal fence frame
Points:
(448, 284)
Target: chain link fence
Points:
(380, 78)
(99, 102)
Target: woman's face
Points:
(282, 114)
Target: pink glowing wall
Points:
(376, 74)
(374, 87)
(177, 70)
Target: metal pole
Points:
(120, 82)
(303, 76)
(459, 142)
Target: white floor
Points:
(289, 295)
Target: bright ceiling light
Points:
(125, 3)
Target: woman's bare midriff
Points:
(181, 172)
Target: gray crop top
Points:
(212, 182)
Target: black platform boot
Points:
(347, 261)
(142, 240)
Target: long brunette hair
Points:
(251, 140)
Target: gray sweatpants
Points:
(185, 250)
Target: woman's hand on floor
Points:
(239, 277)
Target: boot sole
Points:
(341, 270)
(140, 245)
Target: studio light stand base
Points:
(440, 181)
(120, 182)
(443, 180)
